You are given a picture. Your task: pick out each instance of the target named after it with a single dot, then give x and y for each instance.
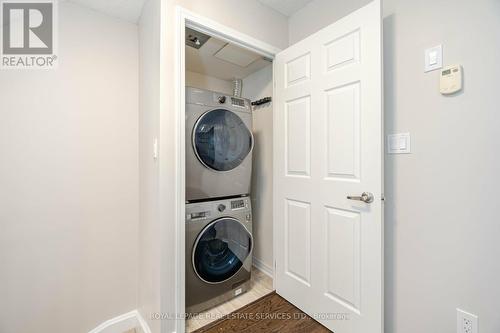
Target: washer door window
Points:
(221, 249)
(221, 140)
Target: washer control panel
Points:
(237, 204)
(198, 215)
(213, 209)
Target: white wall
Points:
(149, 298)
(203, 81)
(69, 181)
(318, 14)
(256, 86)
(441, 226)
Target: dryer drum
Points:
(221, 249)
(221, 140)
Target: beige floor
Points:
(260, 285)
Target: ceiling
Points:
(285, 7)
(129, 10)
(209, 60)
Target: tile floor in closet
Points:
(261, 284)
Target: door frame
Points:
(185, 18)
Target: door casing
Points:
(186, 18)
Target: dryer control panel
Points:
(232, 101)
(217, 99)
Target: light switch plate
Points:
(399, 143)
(433, 58)
(155, 149)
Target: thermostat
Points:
(450, 80)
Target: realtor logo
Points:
(28, 34)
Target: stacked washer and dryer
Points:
(219, 241)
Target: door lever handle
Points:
(366, 197)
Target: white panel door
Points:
(328, 146)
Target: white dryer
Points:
(219, 145)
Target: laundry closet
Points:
(229, 177)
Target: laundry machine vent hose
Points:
(237, 87)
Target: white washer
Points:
(219, 145)
(218, 251)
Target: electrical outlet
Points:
(466, 322)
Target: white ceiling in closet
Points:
(224, 61)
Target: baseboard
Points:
(260, 265)
(143, 325)
(134, 319)
(123, 323)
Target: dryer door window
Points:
(221, 249)
(221, 140)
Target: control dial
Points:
(222, 99)
(221, 208)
